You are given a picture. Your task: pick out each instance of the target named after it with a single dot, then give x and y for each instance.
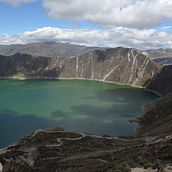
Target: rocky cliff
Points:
(158, 115)
(122, 65)
(162, 81)
(157, 118)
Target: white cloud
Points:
(115, 13)
(8, 39)
(16, 2)
(121, 13)
(141, 39)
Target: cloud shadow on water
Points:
(126, 103)
(97, 120)
(113, 121)
(14, 126)
(113, 112)
(135, 96)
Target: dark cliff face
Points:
(158, 115)
(157, 118)
(28, 66)
(115, 65)
(162, 81)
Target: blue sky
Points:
(28, 17)
(15, 20)
(131, 23)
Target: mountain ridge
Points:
(49, 49)
(124, 65)
(55, 49)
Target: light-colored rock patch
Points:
(142, 170)
(166, 169)
(0, 167)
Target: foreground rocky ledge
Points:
(62, 151)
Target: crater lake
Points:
(75, 105)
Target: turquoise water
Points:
(84, 106)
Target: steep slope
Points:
(158, 115)
(157, 118)
(24, 65)
(114, 65)
(47, 49)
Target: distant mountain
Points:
(55, 49)
(160, 56)
(158, 53)
(163, 60)
(46, 49)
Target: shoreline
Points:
(63, 78)
(155, 92)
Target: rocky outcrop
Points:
(122, 65)
(77, 152)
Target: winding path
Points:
(82, 135)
